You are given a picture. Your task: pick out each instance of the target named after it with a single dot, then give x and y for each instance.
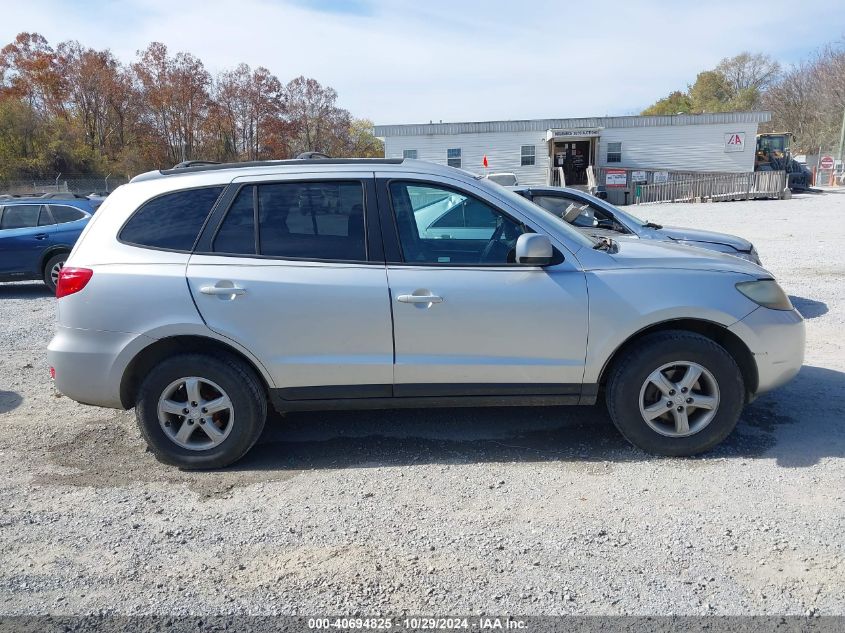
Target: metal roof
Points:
(541, 125)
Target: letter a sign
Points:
(734, 141)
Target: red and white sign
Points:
(735, 141)
(615, 178)
(826, 162)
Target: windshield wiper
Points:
(652, 225)
(606, 244)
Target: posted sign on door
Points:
(734, 141)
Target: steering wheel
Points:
(494, 239)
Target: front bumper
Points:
(89, 364)
(776, 338)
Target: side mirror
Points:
(534, 249)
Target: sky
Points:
(415, 61)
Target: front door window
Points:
(438, 225)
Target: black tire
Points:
(240, 383)
(47, 273)
(630, 372)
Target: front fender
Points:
(624, 302)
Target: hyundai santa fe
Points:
(201, 295)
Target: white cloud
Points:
(406, 61)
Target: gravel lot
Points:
(527, 511)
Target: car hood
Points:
(637, 253)
(697, 235)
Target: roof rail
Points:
(309, 155)
(212, 166)
(194, 163)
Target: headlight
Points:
(765, 292)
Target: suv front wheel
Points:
(197, 411)
(675, 393)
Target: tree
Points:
(710, 93)
(737, 83)
(318, 125)
(30, 70)
(748, 72)
(176, 97)
(79, 111)
(676, 103)
(98, 90)
(362, 142)
(809, 100)
(246, 105)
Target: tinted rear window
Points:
(312, 220)
(62, 213)
(172, 221)
(302, 220)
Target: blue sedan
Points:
(37, 235)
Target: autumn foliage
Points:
(81, 111)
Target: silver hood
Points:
(712, 237)
(637, 253)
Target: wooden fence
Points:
(714, 188)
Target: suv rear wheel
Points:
(675, 393)
(197, 411)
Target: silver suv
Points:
(199, 295)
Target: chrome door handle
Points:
(419, 299)
(223, 290)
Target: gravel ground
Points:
(528, 511)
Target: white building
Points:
(645, 148)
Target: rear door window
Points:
(312, 220)
(296, 220)
(171, 221)
(20, 216)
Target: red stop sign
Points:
(826, 162)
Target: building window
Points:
(453, 157)
(527, 157)
(409, 153)
(614, 152)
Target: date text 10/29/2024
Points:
(481, 623)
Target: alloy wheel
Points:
(679, 399)
(54, 272)
(195, 413)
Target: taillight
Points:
(72, 280)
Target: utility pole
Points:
(842, 135)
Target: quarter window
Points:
(20, 216)
(527, 155)
(172, 221)
(410, 154)
(614, 152)
(44, 218)
(453, 157)
(444, 226)
(62, 213)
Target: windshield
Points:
(531, 210)
(624, 217)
